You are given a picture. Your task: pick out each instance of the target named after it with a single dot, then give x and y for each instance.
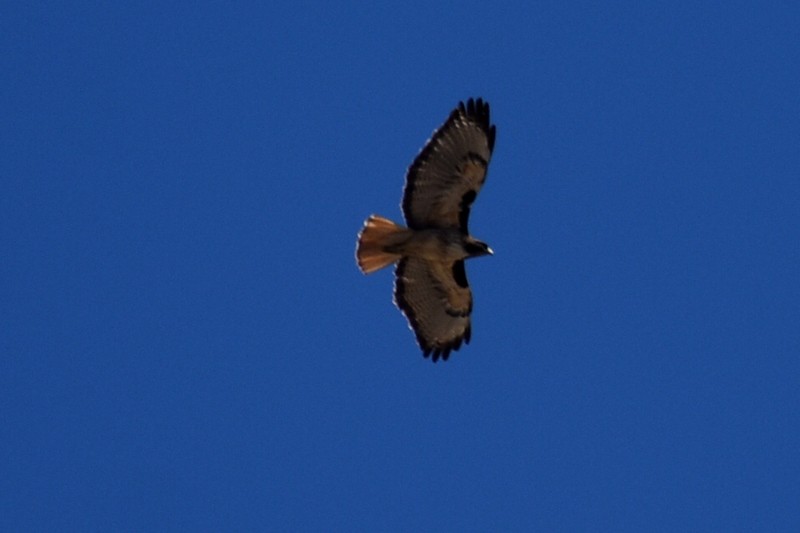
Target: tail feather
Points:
(377, 234)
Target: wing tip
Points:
(443, 351)
(478, 110)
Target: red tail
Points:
(378, 232)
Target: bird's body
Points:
(431, 285)
(432, 244)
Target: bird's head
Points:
(476, 248)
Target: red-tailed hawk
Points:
(431, 287)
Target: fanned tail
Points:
(377, 234)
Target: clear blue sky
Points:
(187, 343)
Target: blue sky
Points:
(187, 343)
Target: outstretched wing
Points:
(437, 301)
(445, 178)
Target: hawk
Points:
(431, 287)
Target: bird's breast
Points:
(436, 245)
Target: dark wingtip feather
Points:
(440, 352)
(478, 110)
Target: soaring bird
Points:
(431, 287)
